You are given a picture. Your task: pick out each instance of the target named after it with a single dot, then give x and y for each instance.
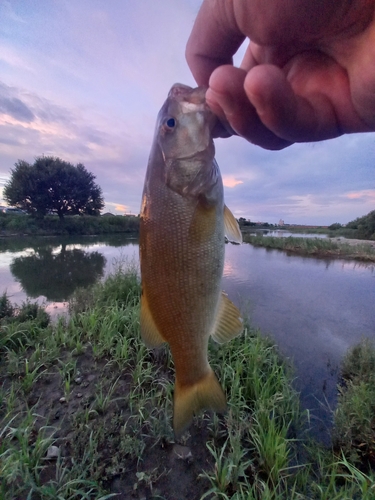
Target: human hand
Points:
(308, 73)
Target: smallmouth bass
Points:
(182, 227)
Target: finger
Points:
(288, 115)
(249, 60)
(214, 39)
(311, 102)
(228, 100)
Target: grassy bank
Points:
(346, 232)
(355, 416)
(86, 413)
(341, 231)
(320, 247)
(11, 225)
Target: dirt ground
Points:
(135, 464)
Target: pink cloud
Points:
(230, 181)
(364, 194)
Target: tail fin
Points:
(206, 394)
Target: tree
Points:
(335, 226)
(51, 185)
(365, 226)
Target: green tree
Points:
(365, 226)
(51, 185)
(335, 226)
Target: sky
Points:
(84, 81)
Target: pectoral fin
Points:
(231, 227)
(228, 322)
(149, 331)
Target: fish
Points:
(183, 224)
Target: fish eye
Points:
(171, 122)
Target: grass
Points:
(88, 386)
(320, 247)
(71, 225)
(330, 231)
(355, 415)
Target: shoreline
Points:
(95, 411)
(337, 248)
(352, 241)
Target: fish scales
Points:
(182, 251)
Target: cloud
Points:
(116, 157)
(89, 87)
(25, 106)
(115, 207)
(33, 122)
(230, 181)
(366, 194)
(12, 104)
(15, 108)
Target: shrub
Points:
(6, 308)
(335, 226)
(354, 431)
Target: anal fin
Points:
(231, 228)
(149, 331)
(228, 322)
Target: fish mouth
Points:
(194, 99)
(184, 93)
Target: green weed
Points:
(6, 308)
(119, 413)
(354, 431)
(314, 246)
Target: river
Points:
(314, 309)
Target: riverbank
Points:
(361, 250)
(86, 411)
(25, 225)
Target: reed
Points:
(354, 431)
(317, 247)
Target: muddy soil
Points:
(132, 464)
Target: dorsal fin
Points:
(228, 322)
(231, 228)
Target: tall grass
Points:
(321, 247)
(88, 386)
(354, 431)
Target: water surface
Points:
(314, 309)
(50, 269)
(283, 233)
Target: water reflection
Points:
(314, 309)
(50, 268)
(30, 243)
(57, 275)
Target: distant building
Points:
(281, 222)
